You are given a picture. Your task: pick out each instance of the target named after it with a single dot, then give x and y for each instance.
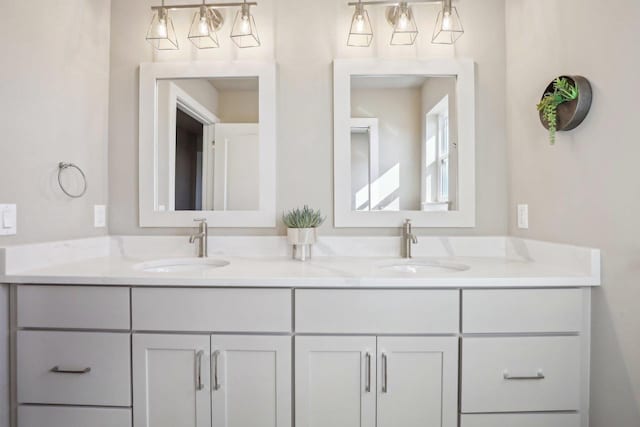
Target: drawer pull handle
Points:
(367, 386)
(385, 370)
(59, 370)
(199, 384)
(538, 376)
(216, 381)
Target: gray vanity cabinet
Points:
(201, 380)
(222, 357)
(355, 381)
(251, 381)
(387, 357)
(335, 381)
(417, 381)
(171, 380)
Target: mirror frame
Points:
(464, 70)
(265, 216)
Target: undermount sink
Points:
(417, 266)
(181, 265)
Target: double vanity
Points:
(140, 332)
(133, 331)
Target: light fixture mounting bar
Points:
(196, 6)
(392, 3)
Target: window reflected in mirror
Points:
(207, 144)
(403, 143)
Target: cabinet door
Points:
(251, 381)
(171, 381)
(335, 381)
(417, 381)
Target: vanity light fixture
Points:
(244, 32)
(203, 32)
(161, 33)
(207, 21)
(405, 30)
(448, 25)
(400, 16)
(361, 33)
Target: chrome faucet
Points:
(408, 239)
(201, 237)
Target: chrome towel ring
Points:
(62, 166)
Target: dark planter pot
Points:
(571, 114)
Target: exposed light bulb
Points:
(245, 26)
(360, 23)
(162, 28)
(203, 27)
(447, 23)
(403, 21)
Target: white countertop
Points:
(502, 262)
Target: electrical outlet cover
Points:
(523, 217)
(8, 220)
(100, 216)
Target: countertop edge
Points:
(347, 283)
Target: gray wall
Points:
(303, 37)
(54, 83)
(584, 190)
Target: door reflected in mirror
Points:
(403, 143)
(207, 144)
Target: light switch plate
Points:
(99, 216)
(523, 217)
(8, 220)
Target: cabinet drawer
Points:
(100, 365)
(520, 420)
(522, 310)
(377, 311)
(73, 307)
(205, 310)
(520, 374)
(50, 416)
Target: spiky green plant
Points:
(563, 91)
(303, 218)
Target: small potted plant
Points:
(301, 230)
(565, 104)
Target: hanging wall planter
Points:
(567, 100)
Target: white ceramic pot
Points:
(301, 239)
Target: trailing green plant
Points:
(563, 91)
(303, 218)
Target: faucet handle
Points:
(203, 224)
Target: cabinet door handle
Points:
(216, 381)
(367, 386)
(385, 371)
(59, 370)
(199, 384)
(538, 376)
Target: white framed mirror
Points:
(404, 142)
(207, 144)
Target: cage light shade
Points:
(161, 33)
(448, 27)
(203, 28)
(244, 32)
(361, 33)
(405, 30)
